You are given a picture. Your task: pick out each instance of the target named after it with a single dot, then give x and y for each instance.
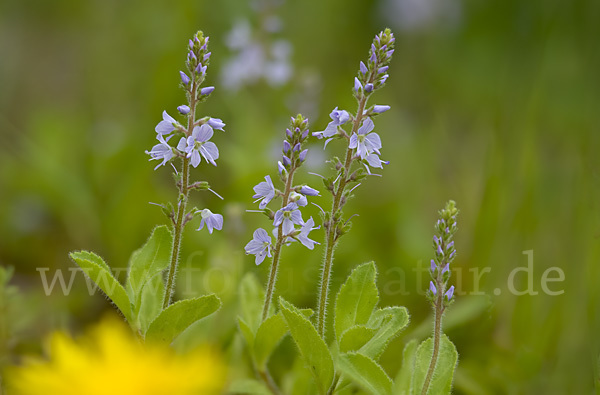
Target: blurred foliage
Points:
(496, 108)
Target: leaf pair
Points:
(262, 337)
(141, 301)
(363, 331)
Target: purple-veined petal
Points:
(353, 141)
(366, 126)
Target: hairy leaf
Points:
(356, 299)
(404, 376)
(99, 272)
(395, 319)
(356, 337)
(366, 373)
(146, 262)
(441, 383)
(311, 345)
(179, 316)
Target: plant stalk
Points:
(277, 250)
(184, 193)
(437, 333)
(331, 237)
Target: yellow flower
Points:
(109, 360)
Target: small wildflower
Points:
(216, 123)
(338, 117)
(183, 109)
(303, 236)
(265, 191)
(287, 217)
(197, 144)
(308, 191)
(260, 245)
(364, 141)
(211, 220)
(161, 151)
(167, 125)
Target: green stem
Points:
(183, 198)
(437, 332)
(330, 235)
(277, 250)
(178, 231)
(268, 380)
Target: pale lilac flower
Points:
(197, 144)
(184, 78)
(303, 236)
(433, 265)
(260, 245)
(167, 125)
(183, 109)
(450, 293)
(365, 142)
(369, 88)
(446, 268)
(357, 85)
(374, 161)
(286, 147)
(379, 109)
(212, 220)
(287, 217)
(280, 167)
(338, 117)
(286, 161)
(207, 90)
(432, 288)
(161, 151)
(265, 191)
(216, 123)
(299, 199)
(306, 190)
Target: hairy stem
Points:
(437, 333)
(183, 198)
(268, 380)
(277, 250)
(330, 235)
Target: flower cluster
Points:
(287, 221)
(194, 135)
(194, 143)
(443, 246)
(371, 76)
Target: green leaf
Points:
(247, 333)
(356, 337)
(441, 383)
(268, 336)
(395, 319)
(148, 261)
(311, 345)
(248, 387)
(356, 299)
(252, 297)
(403, 378)
(151, 302)
(99, 272)
(179, 316)
(366, 373)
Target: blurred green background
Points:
(495, 104)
